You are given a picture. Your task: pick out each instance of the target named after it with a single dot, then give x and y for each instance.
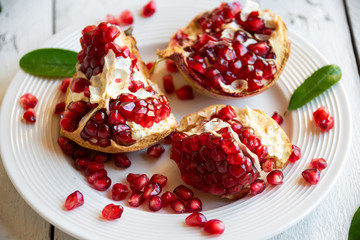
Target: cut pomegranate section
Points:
(323, 118)
(230, 51)
(112, 211)
(111, 105)
(214, 226)
(196, 219)
(74, 200)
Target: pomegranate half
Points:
(111, 105)
(231, 51)
(222, 150)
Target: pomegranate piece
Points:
(167, 197)
(185, 93)
(28, 101)
(183, 192)
(295, 154)
(159, 179)
(139, 182)
(109, 18)
(29, 116)
(193, 205)
(131, 176)
(196, 219)
(126, 18)
(275, 177)
(102, 184)
(171, 66)
(318, 163)
(150, 65)
(323, 118)
(227, 113)
(151, 189)
(74, 200)
(155, 203)
(155, 151)
(178, 206)
(59, 108)
(81, 163)
(112, 211)
(168, 84)
(121, 160)
(268, 165)
(149, 9)
(311, 175)
(258, 186)
(278, 118)
(66, 145)
(96, 175)
(101, 157)
(119, 191)
(64, 85)
(136, 199)
(214, 226)
(93, 167)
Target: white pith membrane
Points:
(114, 80)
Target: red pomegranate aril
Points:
(64, 84)
(151, 189)
(258, 186)
(59, 108)
(119, 192)
(149, 9)
(194, 205)
(29, 116)
(66, 145)
(227, 113)
(102, 184)
(159, 179)
(78, 85)
(136, 199)
(311, 175)
(101, 157)
(196, 219)
(183, 192)
(214, 226)
(80, 152)
(112, 211)
(185, 93)
(171, 66)
(155, 151)
(96, 175)
(275, 177)
(139, 182)
(81, 163)
(121, 160)
(150, 65)
(323, 118)
(93, 167)
(278, 118)
(126, 18)
(318, 163)
(110, 34)
(110, 19)
(178, 206)
(28, 101)
(261, 48)
(168, 84)
(167, 197)
(74, 200)
(295, 154)
(131, 176)
(155, 203)
(267, 165)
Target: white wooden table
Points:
(332, 26)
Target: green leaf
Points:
(314, 85)
(49, 62)
(354, 231)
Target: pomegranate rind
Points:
(154, 134)
(278, 41)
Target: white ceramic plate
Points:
(44, 176)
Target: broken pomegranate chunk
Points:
(323, 118)
(112, 211)
(214, 226)
(74, 200)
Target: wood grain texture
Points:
(353, 9)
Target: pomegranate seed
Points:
(323, 118)
(185, 93)
(171, 66)
(121, 160)
(275, 177)
(96, 175)
(295, 154)
(126, 18)
(28, 101)
(268, 165)
(101, 157)
(150, 65)
(169, 138)
(112, 211)
(131, 176)
(214, 226)
(111, 19)
(183, 192)
(136, 199)
(159, 179)
(258, 186)
(196, 219)
(64, 85)
(311, 175)
(155, 203)
(278, 118)
(151, 189)
(66, 145)
(29, 116)
(59, 108)
(93, 167)
(74, 200)
(178, 206)
(80, 152)
(168, 84)
(149, 9)
(81, 163)
(111, 33)
(155, 151)
(318, 163)
(194, 205)
(102, 184)
(227, 113)
(139, 182)
(119, 191)
(167, 197)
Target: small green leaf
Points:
(354, 231)
(314, 85)
(49, 62)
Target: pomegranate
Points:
(178, 206)
(59, 108)
(111, 105)
(222, 150)
(214, 226)
(185, 93)
(278, 118)
(196, 219)
(64, 84)
(230, 51)
(258, 186)
(159, 179)
(323, 118)
(126, 18)
(28, 101)
(168, 83)
(155, 151)
(149, 9)
(121, 160)
(155, 203)
(318, 163)
(112, 211)
(193, 205)
(119, 191)
(311, 175)
(167, 197)
(171, 66)
(29, 116)
(275, 177)
(74, 200)
(296, 154)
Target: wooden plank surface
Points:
(353, 9)
(24, 25)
